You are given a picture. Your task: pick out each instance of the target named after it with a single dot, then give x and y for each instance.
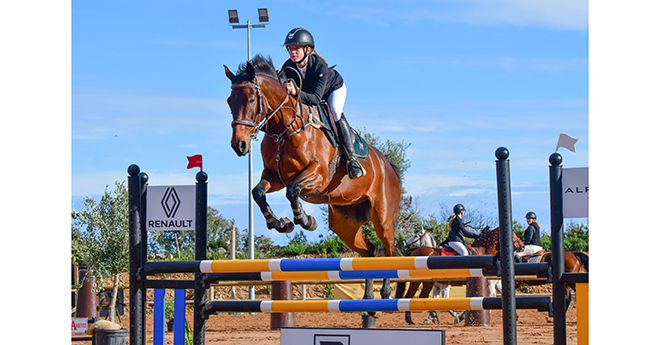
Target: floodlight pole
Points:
(250, 183)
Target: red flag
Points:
(195, 161)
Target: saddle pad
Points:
(360, 146)
(534, 259)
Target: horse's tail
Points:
(583, 258)
(397, 172)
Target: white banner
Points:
(575, 182)
(357, 336)
(170, 208)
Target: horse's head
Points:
(248, 100)
(518, 244)
(490, 241)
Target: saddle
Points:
(319, 117)
(445, 250)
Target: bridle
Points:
(262, 105)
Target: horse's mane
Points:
(486, 238)
(261, 64)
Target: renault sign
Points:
(170, 208)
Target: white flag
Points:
(567, 142)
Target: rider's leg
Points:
(355, 169)
(336, 102)
(459, 248)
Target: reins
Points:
(262, 106)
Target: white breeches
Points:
(336, 101)
(529, 250)
(459, 248)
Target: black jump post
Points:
(506, 247)
(137, 203)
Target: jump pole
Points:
(201, 211)
(136, 295)
(557, 237)
(506, 247)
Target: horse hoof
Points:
(286, 225)
(312, 224)
(375, 315)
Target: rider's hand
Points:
(291, 88)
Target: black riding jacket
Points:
(458, 231)
(319, 81)
(533, 234)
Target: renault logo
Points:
(170, 202)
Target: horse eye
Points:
(252, 100)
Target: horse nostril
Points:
(242, 146)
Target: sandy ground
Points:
(533, 327)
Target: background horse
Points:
(487, 244)
(574, 262)
(298, 156)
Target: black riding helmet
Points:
(458, 208)
(299, 37)
(530, 214)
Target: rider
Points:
(455, 239)
(319, 84)
(532, 238)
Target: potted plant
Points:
(169, 313)
(99, 239)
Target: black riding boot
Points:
(355, 170)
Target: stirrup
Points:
(355, 169)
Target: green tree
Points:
(99, 238)
(395, 152)
(577, 237)
(183, 242)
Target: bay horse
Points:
(574, 262)
(487, 244)
(297, 156)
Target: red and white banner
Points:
(78, 324)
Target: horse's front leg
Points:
(307, 180)
(283, 225)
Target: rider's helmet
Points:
(299, 37)
(458, 208)
(530, 214)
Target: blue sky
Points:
(455, 79)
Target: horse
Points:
(487, 244)
(574, 262)
(420, 239)
(298, 156)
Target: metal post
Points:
(144, 178)
(557, 237)
(201, 211)
(135, 252)
(506, 247)
(250, 184)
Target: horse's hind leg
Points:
(412, 288)
(283, 225)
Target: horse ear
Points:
(249, 70)
(228, 73)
